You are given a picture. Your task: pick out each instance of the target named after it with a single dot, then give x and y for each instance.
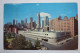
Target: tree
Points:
(37, 43)
(5, 43)
(13, 35)
(8, 35)
(29, 45)
(19, 42)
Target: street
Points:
(72, 44)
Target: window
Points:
(64, 23)
(46, 34)
(64, 26)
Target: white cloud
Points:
(42, 18)
(43, 14)
(37, 4)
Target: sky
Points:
(26, 10)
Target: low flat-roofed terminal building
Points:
(49, 36)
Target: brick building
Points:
(15, 30)
(11, 28)
(67, 25)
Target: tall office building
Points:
(16, 23)
(31, 23)
(19, 25)
(13, 22)
(31, 19)
(25, 20)
(22, 22)
(38, 23)
(34, 24)
(46, 21)
(42, 23)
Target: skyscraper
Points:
(42, 23)
(31, 19)
(14, 22)
(31, 23)
(38, 23)
(25, 21)
(46, 21)
(18, 25)
(22, 22)
(34, 24)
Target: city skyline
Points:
(20, 11)
(40, 26)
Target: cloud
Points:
(43, 14)
(37, 4)
(42, 18)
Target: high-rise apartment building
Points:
(67, 25)
(38, 23)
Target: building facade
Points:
(46, 21)
(67, 25)
(42, 23)
(31, 23)
(31, 19)
(38, 23)
(22, 23)
(50, 36)
(12, 29)
(14, 22)
(25, 21)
